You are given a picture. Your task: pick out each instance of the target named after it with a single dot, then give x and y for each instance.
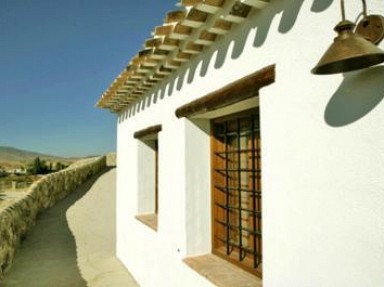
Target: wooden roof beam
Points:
(133, 80)
(163, 30)
(180, 32)
(187, 3)
(147, 85)
(175, 16)
(159, 54)
(152, 43)
(209, 6)
(220, 27)
(182, 57)
(140, 57)
(150, 63)
(128, 86)
(158, 76)
(195, 18)
(164, 71)
(143, 69)
(152, 81)
(258, 4)
(200, 36)
(137, 76)
(193, 48)
(238, 13)
(171, 64)
(143, 89)
(169, 44)
(206, 38)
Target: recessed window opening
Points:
(236, 180)
(148, 158)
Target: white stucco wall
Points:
(322, 152)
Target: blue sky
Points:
(56, 59)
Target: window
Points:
(236, 179)
(148, 175)
(236, 203)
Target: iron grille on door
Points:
(236, 177)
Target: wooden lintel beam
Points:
(237, 91)
(147, 131)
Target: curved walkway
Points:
(73, 243)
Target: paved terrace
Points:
(73, 243)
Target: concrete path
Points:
(73, 243)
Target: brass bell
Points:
(351, 51)
(348, 52)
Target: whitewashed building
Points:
(237, 166)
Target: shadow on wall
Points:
(359, 93)
(321, 5)
(259, 23)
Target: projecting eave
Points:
(184, 34)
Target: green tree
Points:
(59, 166)
(36, 167)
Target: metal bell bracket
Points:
(371, 27)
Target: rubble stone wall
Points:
(111, 159)
(18, 217)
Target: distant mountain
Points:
(12, 157)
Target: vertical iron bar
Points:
(260, 198)
(226, 188)
(255, 258)
(239, 188)
(156, 176)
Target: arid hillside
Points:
(14, 158)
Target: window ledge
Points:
(221, 272)
(148, 219)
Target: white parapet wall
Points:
(18, 217)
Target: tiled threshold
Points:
(222, 273)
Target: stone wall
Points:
(111, 159)
(18, 217)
